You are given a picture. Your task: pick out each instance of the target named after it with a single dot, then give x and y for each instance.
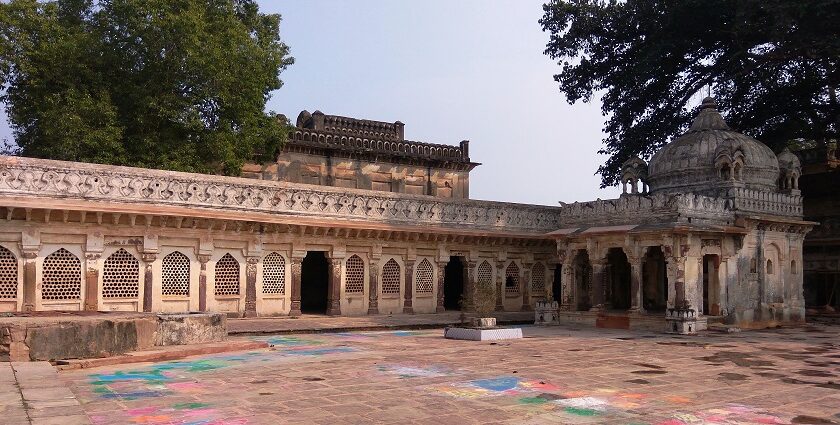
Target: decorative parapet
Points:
(626, 209)
(763, 202)
(326, 139)
(39, 178)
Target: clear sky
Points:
(451, 71)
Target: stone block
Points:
(181, 329)
(471, 334)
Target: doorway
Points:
(557, 285)
(314, 283)
(711, 286)
(654, 281)
(453, 283)
(618, 273)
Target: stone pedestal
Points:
(545, 313)
(681, 319)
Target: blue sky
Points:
(450, 70)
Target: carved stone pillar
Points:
(526, 286)
(441, 277)
(202, 281)
(469, 285)
(635, 284)
(599, 288)
(334, 287)
(148, 281)
(29, 292)
(251, 286)
(294, 309)
(676, 281)
(92, 281)
(567, 286)
(500, 286)
(373, 287)
(409, 287)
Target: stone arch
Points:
(175, 275)
(512, 278)
(121, 275)
(8, 274)
(425, 280)
(62, 276)
(354, 275)
(391, 277)
(484, 274)
(538, 279)
(274, 274)
(227, 277)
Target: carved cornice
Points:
(68, 180)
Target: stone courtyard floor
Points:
(554, 375)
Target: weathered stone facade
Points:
(704, 225)
(351, 153)
(820, 182)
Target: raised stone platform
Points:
(81, 335)
(620, 320)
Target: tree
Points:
(772, 65)
(172, 84)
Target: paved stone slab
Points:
(554, 375)
(42, 397)
(316, 323)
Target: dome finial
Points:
(709, 103)
(709, 118)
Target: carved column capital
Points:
(203, 258)
(149, 257)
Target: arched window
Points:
(425, 277)
(8, 274)
(274, 274)
(227, 276)
(62, 276)
(753, 266)
(391, 277)
(793, 267)
(538, 279)
(769, 267)
(512, 278)
(175, 275)
(354, 281)
(484, 274)
(121, 276)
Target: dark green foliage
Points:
(772, 65)
(172, 84)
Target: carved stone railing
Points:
(762, 202)
(626, 209)
(387, 146)
(40, 178)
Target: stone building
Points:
(819, 185)
(353, 219)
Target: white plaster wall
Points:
(511, 302)
(425, 302)
(8, 305)
(226, 303)
(121, 304)
(46, 250)
(355, 304)
(171, 303)
(274, 304)
(391, 303)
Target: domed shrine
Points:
(352, 218)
